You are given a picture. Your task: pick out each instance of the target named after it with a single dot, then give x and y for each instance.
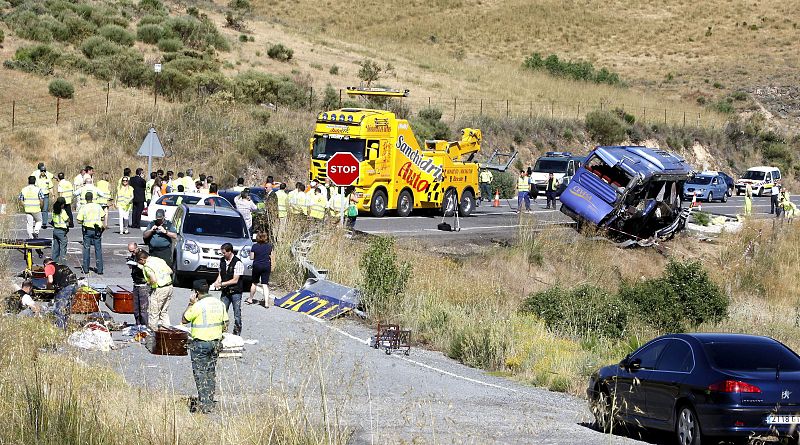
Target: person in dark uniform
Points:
(159, 235)
(550, 191)
(139, 197)
(64, 282)
(141, 289)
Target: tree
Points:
(370, 71)
(61, 89)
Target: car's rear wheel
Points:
(724, 197)
(687, 427)
(730, 192)
(710, 197)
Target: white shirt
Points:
(27, 300)
(78, 181)
(775, 190)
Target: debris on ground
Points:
(94, 337)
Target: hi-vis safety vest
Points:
(337, 203)
(84, 190)
(90, 215)
(60, 220)
(45, 184)
(283, 201)
(317, 206)
(30, 199)
(207, 318)
(104, 192)
(157, 269)
(124, 197)
(66, 190)
(485, 176)
(523, 185)
(302, 201)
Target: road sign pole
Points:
(341, 199)
(150, 155)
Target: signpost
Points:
(152, 148)
(343, 170)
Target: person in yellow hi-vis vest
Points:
(87, 187)
(336, 205)
(67, 191)
(60, 228)
(159, 276)
(316, 206)
(748, 200)
(292, 199)
(208, 319)
(92, 220)
(44, 180)
(523, 187)
(283, 208)
(103, 196)
(787, 207)
(124, 204)
(485, 183)
(303, 201)
(32, 200)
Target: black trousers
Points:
(773, 204)
(136, 216)
(68, 209)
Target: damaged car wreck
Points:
(632, 195)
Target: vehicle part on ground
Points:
(391, 160)
(495, 161)
(390, 338)
(631, 195)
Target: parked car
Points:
(561, 164)
(706, 186)
(230, 195)
(170, 202)
(201, 231)
(631, 194)
(728, 180)
(761, 179)
(699, 385)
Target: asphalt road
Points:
(423, 398)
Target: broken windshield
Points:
(325, 147)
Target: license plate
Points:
(213, 264)
(780, 419)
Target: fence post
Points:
(340, 98)
(578, 115)
(429, 101)
(58, 108)
(698, 118)
(665, 116)
(507, 108)
(530, 111)
(601, 105)
(684, 118)
(455, 101)
(552, 109)
(311, 99)
(481, 109)
(108, 92)
(644, 115)
(13, 114)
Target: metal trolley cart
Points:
(391, 338)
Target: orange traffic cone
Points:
(496, 202)
(695, 202)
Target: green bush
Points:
(173, 83)
(584, 71)
(240, 4)
(156, 19)
(429, 126)
(257, 87)
(78, 29)
(152, 6)
(149, 33)
(581, 311)
(75, 62)
(684, 297)
(724, 106)
(243, 38)
(61, 88)
(779, 154)
(191, 65)
(170, 45)
(271, 146)
(604, 127)
(702, 218)
(97, 46)
(330, 98)
(482, 346)
(210, 82)
(39, 59)
(506, 183)
(117, 34)
(280, 52)
(131, 70)
(334, 71)
(196, 33)
(383, 277)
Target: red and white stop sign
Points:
(343, 169)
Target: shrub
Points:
(777, 153)
(506, 183)
(280, 52)
(61, 88)
(173, 83)
(39, 59)
(151, 6)
(257, 87)
(117, 34)
(272, 146)
(604, 127)
(97, 46)
(240, 4)
(683, 297)
(330, 98)
(334, 71)
(702, 218)
(428, 125)
(2, 37)
(210, 82)
(626, 117)
(149, 33)
(243, 38)
(152, 20)
(482, 346)
(584, 310)
(739, 95)
(170, 45)
(724, 106)
(131, 69)
(78, 28)
(196, 33)
(384, 278)
(572, 70)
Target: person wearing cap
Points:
(159, 276)
(92, 220)
(207, 319)
(66, 191)
(32, 200)
(158, 236)
(64, 283)
(44, 180)
(124, 203)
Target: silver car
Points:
(201, 231)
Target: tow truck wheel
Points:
(378, 205)
(405, 203)
(467, 203)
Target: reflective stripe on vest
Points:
(523, 185)
(124, 197)
(91, 215)
(317, 208)
(86, 189)
(65, 190)
(211, 320)
(44, 184)
(60, 220)
(30, 199)
(302, 202)
(104, 191)
(283, 200)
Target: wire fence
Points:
(26, 111)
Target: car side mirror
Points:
(635, 364)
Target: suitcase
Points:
(168, 341)
(85, 301)
(119, 299)
(38, 272)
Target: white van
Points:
(761, 179)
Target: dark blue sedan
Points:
(702, 385)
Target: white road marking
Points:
(414, 362)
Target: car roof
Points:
(646, 160)
(763, 168)
(211, 210)
(721, 337)
(199, 195)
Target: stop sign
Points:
(343, 169)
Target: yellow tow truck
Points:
(396, 173)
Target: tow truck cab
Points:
(629, 192)
(562, 164)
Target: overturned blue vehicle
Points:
(630, 194)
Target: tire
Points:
(467, 203)
(687, 427)
(760, 192)
(738, 192)
(180, 280)
(448, 207)
(730, 192)
(710, 196)
(724, 197)
(378, 205)
(601, 407)
(405, 203)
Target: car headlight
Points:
(191, 246)
(244, 252)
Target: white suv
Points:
(761, 179)
(171, 201)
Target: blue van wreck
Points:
(632, 194)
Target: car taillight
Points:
(734, 386)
